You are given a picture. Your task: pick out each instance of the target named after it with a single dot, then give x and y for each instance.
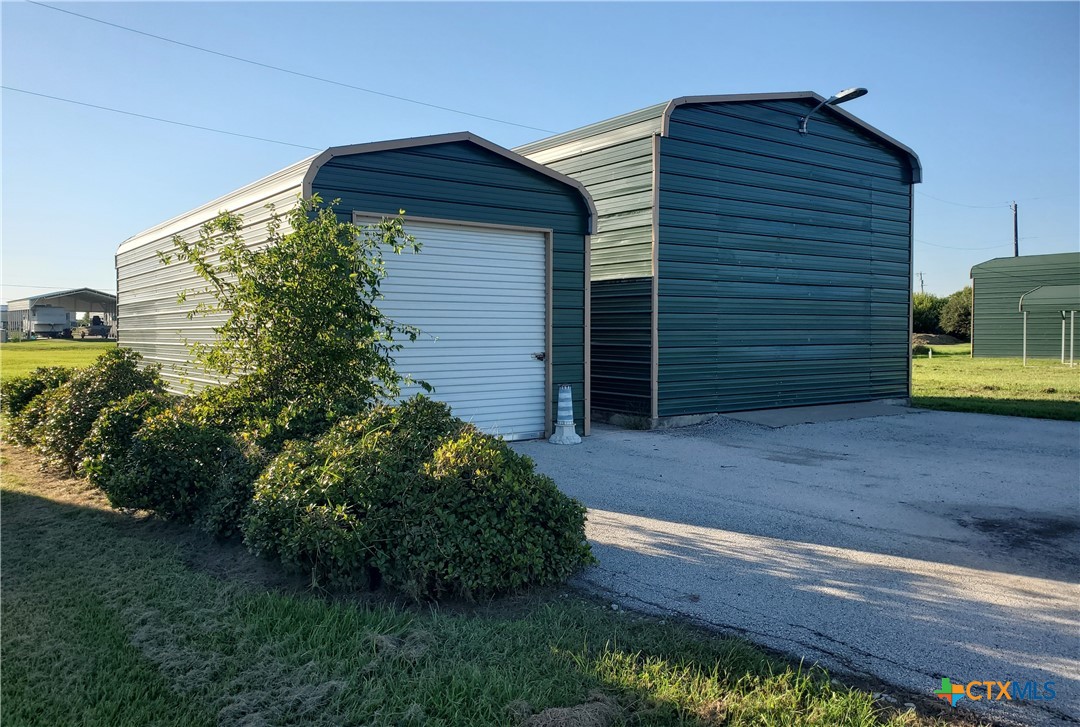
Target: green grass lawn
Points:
(23, 357)
(954, 381)
(120, 619)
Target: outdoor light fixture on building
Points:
(846, 95)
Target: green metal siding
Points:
(461, 181)
(614, 160)
(621, 346)
(784, 260)
(997, 324)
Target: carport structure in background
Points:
(49, 314)
(499, 289)
(740, 264)
(1050, 299)
(997, 322)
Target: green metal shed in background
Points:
(997, 323)
(739, 264)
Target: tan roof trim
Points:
(460, 136)
(665, 123)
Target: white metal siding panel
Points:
(149, 318)
(478, 296)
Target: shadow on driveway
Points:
(907, 548)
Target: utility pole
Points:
(1016, 232)
(922, 287)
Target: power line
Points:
(54, 286)
(951, 247)
(288, 70)
(958, 204)
(158, 118)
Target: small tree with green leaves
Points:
(956, 314)
(926, 312)
(302, 324)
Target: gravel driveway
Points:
(907, 548)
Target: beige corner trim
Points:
(549, 305)
(587, 428)
(654, 349)
(971, 353)
(911, 291)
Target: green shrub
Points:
(956, 314)
(17, 393)
(300, 314)
(433, 505)
(105, 448)
(184, 470)
(72, 412)
(309, 518)
(244, 408)
(482, 522)
(25, 428)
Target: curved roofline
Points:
(913, 158)
(1025, 258)
(31, 299)
(335, 151)
(1071, 291)
(1020, 308)
(290, 175)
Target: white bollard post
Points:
(564, 424)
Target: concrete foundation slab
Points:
(775, 418)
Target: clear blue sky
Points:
(987, 94)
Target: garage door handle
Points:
(540, 356)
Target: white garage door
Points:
(478, 297)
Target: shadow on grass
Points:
(1035, 408)
(122, 619)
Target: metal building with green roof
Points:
(998, 285)
(738, 263)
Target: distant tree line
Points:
(936, 314)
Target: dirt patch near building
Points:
(933, 339)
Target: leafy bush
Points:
(926, 313)
(430, 503)
(309, 518)
(25, 428)
(17, 394)
(106, 447)
(246, 410)
(184, 470)
(323, 269)
(956, 314)
(484, 522)
(72, 412)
